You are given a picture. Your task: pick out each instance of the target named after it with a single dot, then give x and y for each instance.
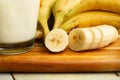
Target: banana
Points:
(44, 14)
(116, 33)
(91, 18)
(38, 34)
(97, 37)
(61, 8)
(39, 31)
(119, 31)
(81, 39)
(90, 5)
(56, 40)
(106, 35)
(109, 35)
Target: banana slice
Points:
(80, 39)
(106, 36)
(56, 40)
(97, 38)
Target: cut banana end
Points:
(109, 35)
(56, 40)
(80, 39)
(116, 33)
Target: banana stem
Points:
(44, 26)
(58, 22)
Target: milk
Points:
(18, 19)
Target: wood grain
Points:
(39, 59)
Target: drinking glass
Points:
(18, 22)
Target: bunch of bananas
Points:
(79, 14)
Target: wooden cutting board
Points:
(39, 59)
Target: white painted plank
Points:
(5, 76)
(66, 76)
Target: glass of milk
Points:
(18, 22)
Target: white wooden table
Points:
(60, 76)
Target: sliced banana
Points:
(80, 39)
(56, 40)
